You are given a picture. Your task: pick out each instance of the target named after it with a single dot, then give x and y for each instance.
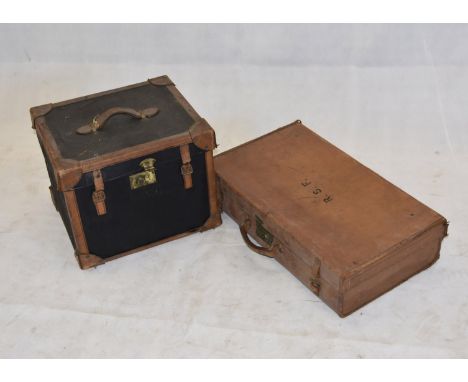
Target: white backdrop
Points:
(378, 45)
(393, 96)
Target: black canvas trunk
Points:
(129, 168)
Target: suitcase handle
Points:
(264, 251)
(100, 119)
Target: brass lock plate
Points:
(146, 177)
(262, 232)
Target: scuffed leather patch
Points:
(203, 135)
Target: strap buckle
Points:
(99, 196)
(186, 169)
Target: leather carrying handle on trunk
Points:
(264, 251)
(100, 119)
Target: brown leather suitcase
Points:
(129, 168)
(345, 232)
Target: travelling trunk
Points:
(345, 232)
(129, 168)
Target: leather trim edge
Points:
(203, 136)
(212, 222)
(161, 81)
(215, 212)
(81, 245)
(183, 102)
(39, 111)
(88, 260)
(67, 172)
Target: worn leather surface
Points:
(323, 205)
(330, 202)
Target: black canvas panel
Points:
(59, 198)
(151, 213)
(120, 131)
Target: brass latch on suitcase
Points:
(262, 232)
(145, 177)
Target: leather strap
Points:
(264, 251)
(100, 119)
(99, 196)
(186, 169)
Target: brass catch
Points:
(148, 176)
(262, 232)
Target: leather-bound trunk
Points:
(345, 232)
(129, 168)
